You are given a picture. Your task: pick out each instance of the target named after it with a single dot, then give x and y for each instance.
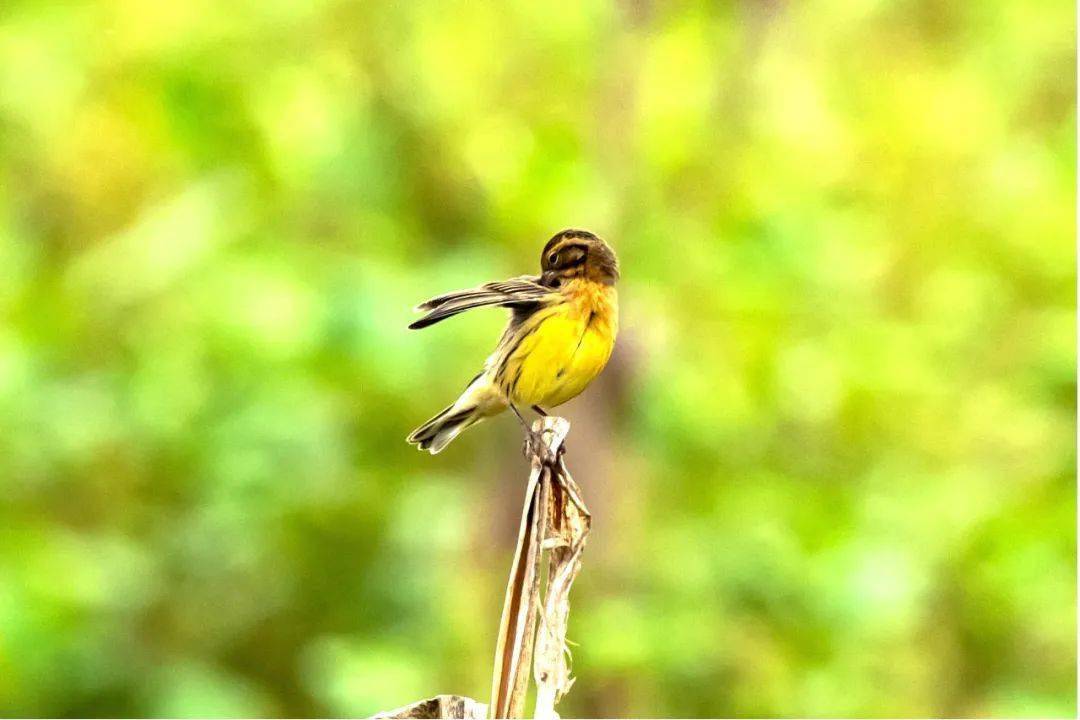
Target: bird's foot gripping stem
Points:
(530, 444)
(545, 440)
(534, 444)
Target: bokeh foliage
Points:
(832, 461)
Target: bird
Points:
(560, 335)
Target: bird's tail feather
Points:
(480, 399)
(436, 433)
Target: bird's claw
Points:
(533, 444)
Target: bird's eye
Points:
(553, 259)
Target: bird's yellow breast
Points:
(564, 347)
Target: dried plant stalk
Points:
(517, 629)
(553, 519)
(568, 528)
(440, 707)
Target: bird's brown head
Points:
(578, 254)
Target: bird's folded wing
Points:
(519, 292)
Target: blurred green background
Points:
(831, 463)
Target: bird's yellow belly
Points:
(559, 359)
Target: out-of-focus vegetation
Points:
(832, 462)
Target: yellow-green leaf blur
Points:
(832, 461)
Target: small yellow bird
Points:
(561, 332)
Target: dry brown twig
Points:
(440, 706)
(568, 526)
(554, 520)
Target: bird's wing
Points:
(520, 292)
